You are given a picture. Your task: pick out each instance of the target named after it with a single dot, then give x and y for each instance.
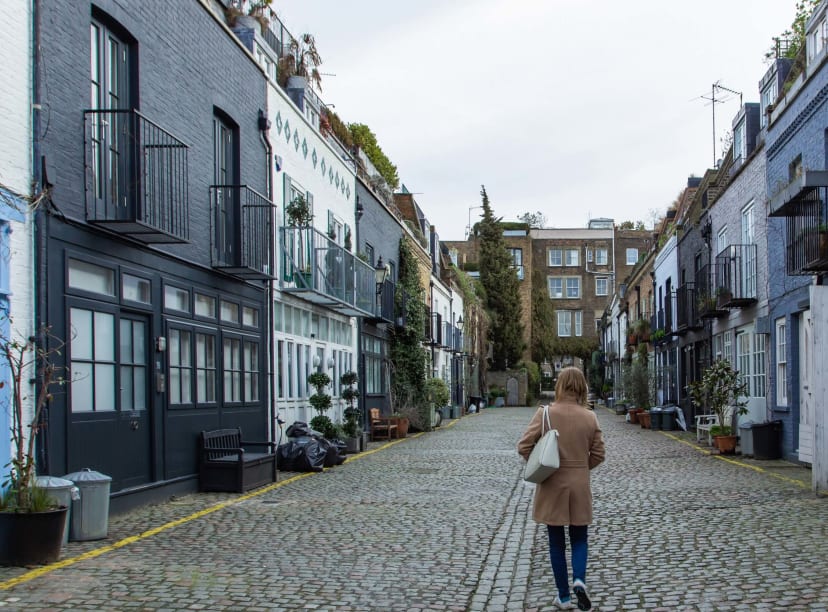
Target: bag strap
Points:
(546, 422)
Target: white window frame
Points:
(781, 362)
(572, 258)
(549, 282)
(601, 257)
(555, 257)
(564, 318)
(632, 251)
(579, 323)
(601, 280)
(576, 294)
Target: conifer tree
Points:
(500, 281)
(543, 320)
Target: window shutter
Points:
(309, 199)
(286, 195)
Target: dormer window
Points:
(817, 38)
(740, 141)
(768, 97)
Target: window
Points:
(226, 195)
(136, 289)
(632, 256)
(768, 97)
(179, 389)
(133, 365)
(721, 240)
(232, 370)
(229, 312)
(572, 257)
(601, 286)
(517, 261)
(740, 141)
(573, 287)
(205, 306)
(748, 263)
(781, 363)
(579, 323)
(89, 277)
(373, 351)
(205, 352)
(601, 257)
(555, 257)
(92, 351)
(759, 377)
(555, 287)
(290, 370)
(589, 255)
(250, 316)
(251, 371)
(369, 253)
(564, 323)
(176, 298)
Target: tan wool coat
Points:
(565, 498)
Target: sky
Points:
(573, 108)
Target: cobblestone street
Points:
(441, 521)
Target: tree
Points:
(367, 141)
(795, 34)
(502, 287)
(543, 320)
(536, 220)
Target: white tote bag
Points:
(544, 459)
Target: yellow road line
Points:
(92, 554)
(738, 463)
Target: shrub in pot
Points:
(719, 390)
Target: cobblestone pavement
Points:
(441, 521)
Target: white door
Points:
(806, 398)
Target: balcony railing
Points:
(136, 177)
(804, 203)
(435, 335)
(686, 309)
(241, 231)
(707, 303)
(326, 273)
(736, 276)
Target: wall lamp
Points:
(381, 273)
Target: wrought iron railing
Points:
(736, 275)
(686, 308)
(241, 231)
(707, 303)
(136, 177)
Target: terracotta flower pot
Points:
(644, 419)
(633, 412)
(725, 444)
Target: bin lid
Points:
(53, 482)
(656, 409)
(87, 475)
(745, 424)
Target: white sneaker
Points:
(580, 590)
(562, 605)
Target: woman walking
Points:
(565, 498)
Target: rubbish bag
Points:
(298, 429)
(304, 454)
(334, 454)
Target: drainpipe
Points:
(40, 225)
(264, 126)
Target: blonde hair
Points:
(571, 384)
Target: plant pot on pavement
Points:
(725, 444)
(644, 419)
(31, 538)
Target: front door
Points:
(109, 393)
(806, 398)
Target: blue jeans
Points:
(557, 555)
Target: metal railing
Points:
(736, 275)
(241, 231)
(136, 176)
(686, 311)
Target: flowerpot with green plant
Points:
(299, 218)
(300, 64)
(31, 520)
(723, 392)
(351, 427)
(321, 402)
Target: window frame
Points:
(781, 366)
(553, 255)
(628, 252)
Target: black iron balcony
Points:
(136, 177)
(436, 336)
(736, 276)
(384, 307)
(707, 302)
(804, 203)
(241, 231)
(687, 318)
(326, 273)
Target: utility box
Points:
(90, 514)
(64, 492)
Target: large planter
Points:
(633, 412)
(725, 444)
(644, 419)
(352, 445)
(31, 538)
(402, 425)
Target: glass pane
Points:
(211, 386)
(125, 350)
(104, 337)
(175, 353)
(186, 386)
(175, 386)
(176, 299)
(205, 306)
(126, 388)
(229, 312)
(140, 383)
(104, 387)
(81, 387)
(186, 351)
(80, 322)
(250, 316)
(89, 277)
(136, 289)
(139, 348)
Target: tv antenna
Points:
(714, 89)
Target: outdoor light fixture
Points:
(460, 322)
(360, 210)
(381, 272)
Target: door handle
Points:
(133, 424)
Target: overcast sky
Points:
(577, 109)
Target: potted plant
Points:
(636, 381)
(298, 212)
(31, 521)
(719, 389)
(299, 217)
(351, 426)
(437, 393)
(300, 64)
(321, 402)
(256, 16)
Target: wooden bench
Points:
(226, 465)
(381, 427)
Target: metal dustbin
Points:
(656, 414)
(669, 415)
(767, 440)
(746, 438)
(63, 491)
(90, 514)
